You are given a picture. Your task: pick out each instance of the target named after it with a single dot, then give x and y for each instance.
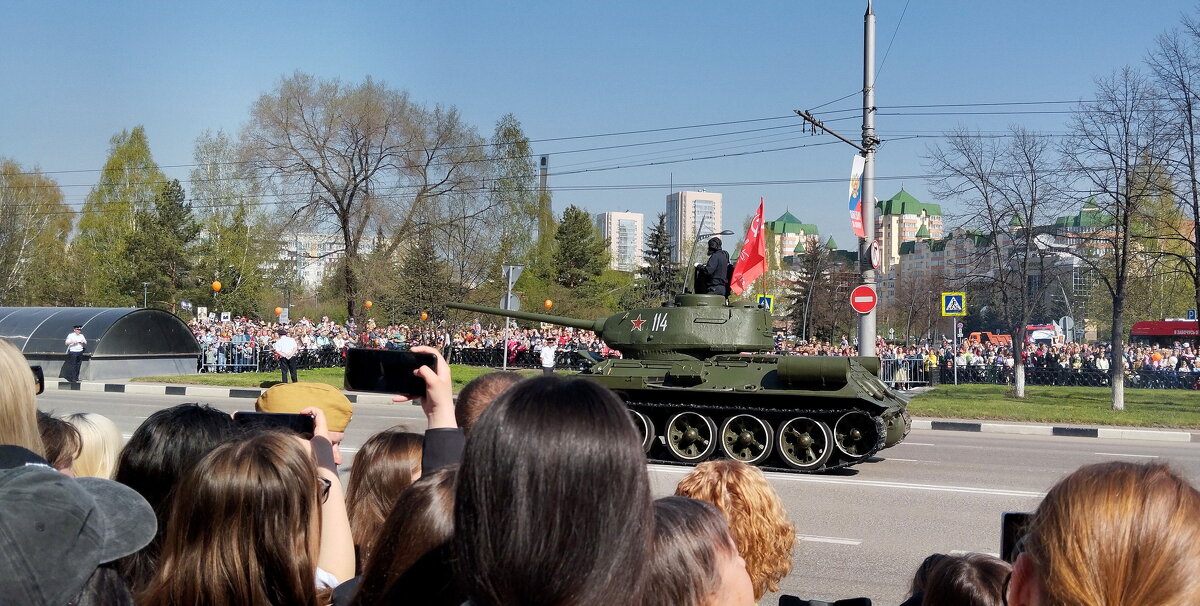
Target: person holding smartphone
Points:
(286, 348)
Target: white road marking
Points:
(834, 540)
(1122, 454)
(905, 460)
(814, 479)
(959, 552)
(915, 444)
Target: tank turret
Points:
(695, 328)
(698, 378)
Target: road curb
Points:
(1108, 433)
(200, 391)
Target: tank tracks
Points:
(769, 462)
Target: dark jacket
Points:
(715, 274)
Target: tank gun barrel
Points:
(593, 325)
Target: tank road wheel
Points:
(645, 429)
(690, 437)
(855, 434)
(804, 443)
(746, 438)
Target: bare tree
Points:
(1009, 188)
(362, 159)
(1117, 150)
(1175, 63)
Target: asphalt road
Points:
(862, 531)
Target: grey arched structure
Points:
(123, 342)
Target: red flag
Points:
(752, 261)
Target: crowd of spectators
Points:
(538, 495)
(242, 344)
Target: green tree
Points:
(658, 278)
(128, 185)
(34, 228)
(162, 245)
(581, 253)
(513, 191)
(237, 243)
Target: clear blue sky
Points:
(74, 73)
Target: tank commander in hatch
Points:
(713, 277)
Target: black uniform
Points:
(713, 277)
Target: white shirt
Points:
(547, 354)
(75, 342)
(286, 346)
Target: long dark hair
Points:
(411, 563)
(553, 502)
(244, 529)
(384, 467)
(158, 455)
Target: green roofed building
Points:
(791, 236)
(904, 219)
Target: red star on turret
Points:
(637, 324)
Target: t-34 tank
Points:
(698, 383)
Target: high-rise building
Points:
(690, 213)
(623, 231)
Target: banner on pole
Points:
(752, 261)
(856, 171)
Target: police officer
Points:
(75, 343)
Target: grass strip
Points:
(1066, 405)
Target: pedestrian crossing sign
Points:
(766, 302)
(954, 304)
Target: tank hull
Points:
(786, 413)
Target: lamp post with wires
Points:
(866, 321)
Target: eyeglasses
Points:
(326, 484)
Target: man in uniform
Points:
(287, 348)
(76, 343)
(713, 277)
(549, 349)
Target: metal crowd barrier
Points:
(252, 357)
(905, 373)
(1072, 377)
(491, 356)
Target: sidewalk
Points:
(203, 391)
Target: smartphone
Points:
(791, 600)
(298, 423)
(39, 380)
(1013, 525)
(386, 371)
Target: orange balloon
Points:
(216, 286)
(424, 316)
(368, 304)
(549, 303)
(278, 311)
(1156, 357)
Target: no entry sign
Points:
(863, 299)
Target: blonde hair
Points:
(1118, 533)
(18, 403)
(757, 519)
(101, 440)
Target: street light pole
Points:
(144, 294)
(866, 322)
